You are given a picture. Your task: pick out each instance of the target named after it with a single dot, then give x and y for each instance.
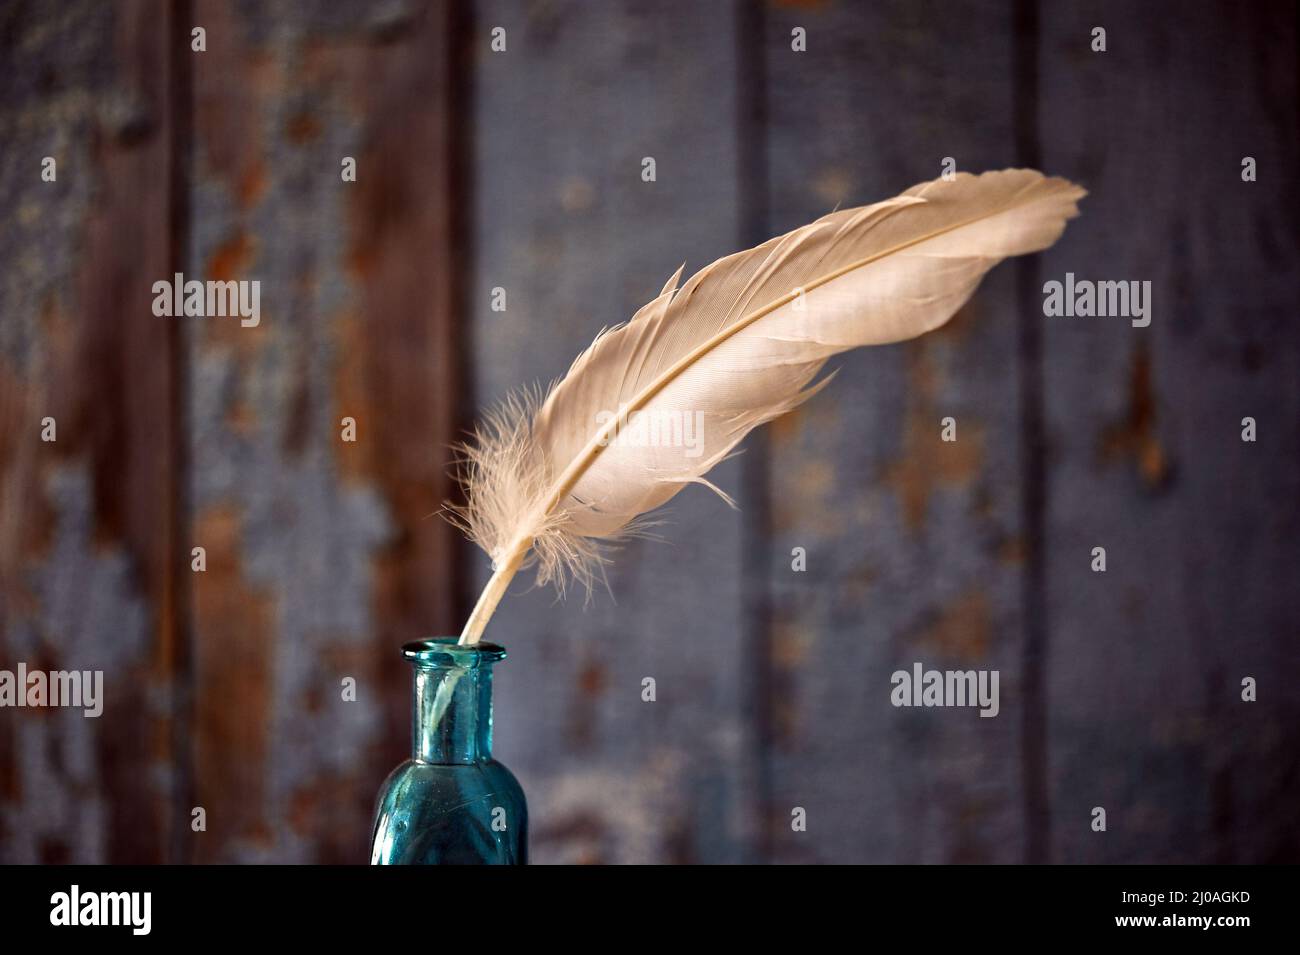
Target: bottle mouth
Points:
(446, 652)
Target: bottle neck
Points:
(451, 719)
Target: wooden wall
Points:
(521, 171)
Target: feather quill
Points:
(548, 480)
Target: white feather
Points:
(741, 343)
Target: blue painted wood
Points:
(1147, 460)
(914, 545)
(565, 224)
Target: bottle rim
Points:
(432, 652)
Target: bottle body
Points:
(432, 814)
(451, 802)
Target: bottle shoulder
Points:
(442, 781)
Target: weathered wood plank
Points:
(403, 369)
(88, 554)
(321, 556)
(1145, 426)
(566, 226)
(914, 545)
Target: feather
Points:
(549, 480)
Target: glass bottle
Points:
(451, 802)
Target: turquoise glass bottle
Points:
(451, 802)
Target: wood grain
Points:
(1146, 660)
(323, 558)
(565, 224)
(90, 564)
(914, 545)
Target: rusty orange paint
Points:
(1013, 550)
(301, 128)
(592, 679)
(227, 104)
(252, 184)
(791, 646)
(233, 673)
(962, 630)
(806, 499)
(589, 684)
(1136, 437)
(352, 399)
(926, 461)
(783, 430)
(807, 488)
(26, 519)
(231, 259)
